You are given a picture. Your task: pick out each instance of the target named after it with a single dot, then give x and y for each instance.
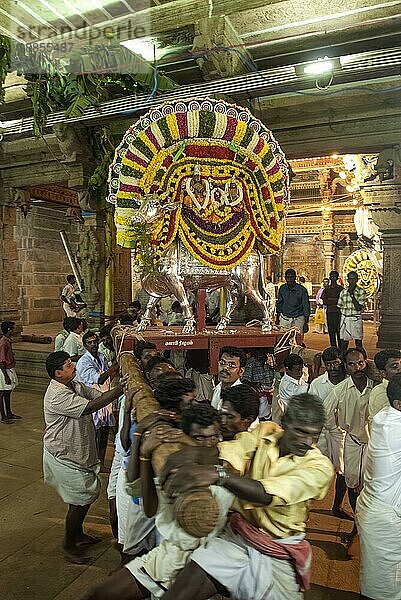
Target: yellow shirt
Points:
(378, 399)
(293, 481)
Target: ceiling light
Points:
(334, 156)
(322, 65)
(350, 189)
(343, 174)
(147, 48)
(355, 202)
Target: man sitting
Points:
(274, 474)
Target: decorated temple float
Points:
(201, 189)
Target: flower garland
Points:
(158, 155)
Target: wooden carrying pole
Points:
(197, 511)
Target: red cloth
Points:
(300, 555)
(6, 352)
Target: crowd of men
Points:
(263, 467)
(266, 442)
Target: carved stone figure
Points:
(388, 165)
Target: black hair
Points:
(75, 323)
(333, 274)
(290, 272)
(304, 409)
(331, 353)
(67, 322)
(176, 306)
(105, 331)
(244, 399)
(87, 335)
(169, 393)
(157, 360)
(70, 278)
(141, 346)
(200, 414)
(382, 357)
(235, 352)
(302, 279)
(55, 361)
(6, 326)
(394, 389)
(354, 350)
(292, 360)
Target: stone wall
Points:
(9, 309)
(42, 261)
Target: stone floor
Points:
(31, 561)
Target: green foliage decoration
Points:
(84, 77)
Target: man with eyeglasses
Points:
(231, 368)
(70, 457)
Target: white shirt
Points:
(330, 445)
(73, 344)
(321, 386)
(216, 399)
(383, 465)
(290, 387)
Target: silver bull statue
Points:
(179, 271)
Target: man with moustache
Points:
(347, 410)
(273, 473)
(330, 446)
(231, 367)
(70, 458)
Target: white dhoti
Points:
(351, 328)
(6, 387)
(136, 531)
(114, 471)
(332, 445)
(75, 485)
(69, 312)
(379, 527)
(354, 461)
(287, 323)
(158, 569)
(245, 572)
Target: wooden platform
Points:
(240, 337)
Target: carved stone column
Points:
(91, 256)
(384, 201)
(9, 276)
(327, 236)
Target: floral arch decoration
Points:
(220, 166)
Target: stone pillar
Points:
(384, 201)
(327, 237)
(9, 301)
(91, 261)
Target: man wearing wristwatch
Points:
(274, 473)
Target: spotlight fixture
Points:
(343, 174)
(355, 202)
(322, 65)
(350, 189)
